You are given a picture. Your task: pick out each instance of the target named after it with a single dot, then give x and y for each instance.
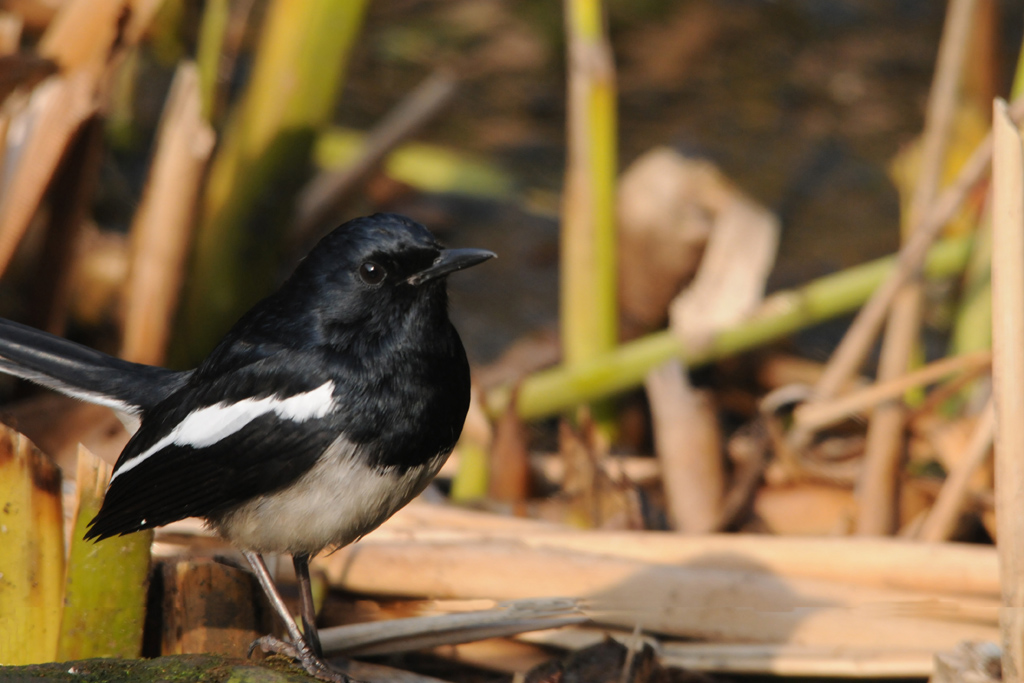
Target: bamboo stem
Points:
(1008, 374)
(106, 582)
(589, 321)
(212, 30)
(550, 391)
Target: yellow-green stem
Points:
(216, 16)
(551, 391)
(589, 318)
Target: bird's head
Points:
(372, 272)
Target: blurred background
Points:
(691, 201)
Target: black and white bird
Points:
(326, 408)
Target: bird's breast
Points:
(340, 499)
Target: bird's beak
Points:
(450, 261)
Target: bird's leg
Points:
(301, 562)
(299, 649)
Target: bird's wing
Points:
(82, 372)
(213, 446)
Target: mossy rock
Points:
(173, 669)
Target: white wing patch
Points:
(206, 426)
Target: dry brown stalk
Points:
(162, 224)
(74, 183)
(689, 448)
(85, 38)
(56, 110)
(690, 601)
(941, 521)
(814, 416)
(1008, 375)
(959, 568)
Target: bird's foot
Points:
(304, 655)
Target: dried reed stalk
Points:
(690, 601)
(162, 224)
(689, 448)
(57, 109)
(815, 416)
(966, 569)
(1008, 374)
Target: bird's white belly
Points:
(336, 502)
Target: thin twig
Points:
(816, 416)
(941, 521)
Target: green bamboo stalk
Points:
(106, 583)
(551, 391)
(424, 166)
(31, 551)
(589, 317)
(262, 163)
(216, 16)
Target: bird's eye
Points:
(372, 273)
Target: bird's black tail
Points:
(82, 372)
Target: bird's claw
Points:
(301, 653)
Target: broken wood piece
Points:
(208, 607)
